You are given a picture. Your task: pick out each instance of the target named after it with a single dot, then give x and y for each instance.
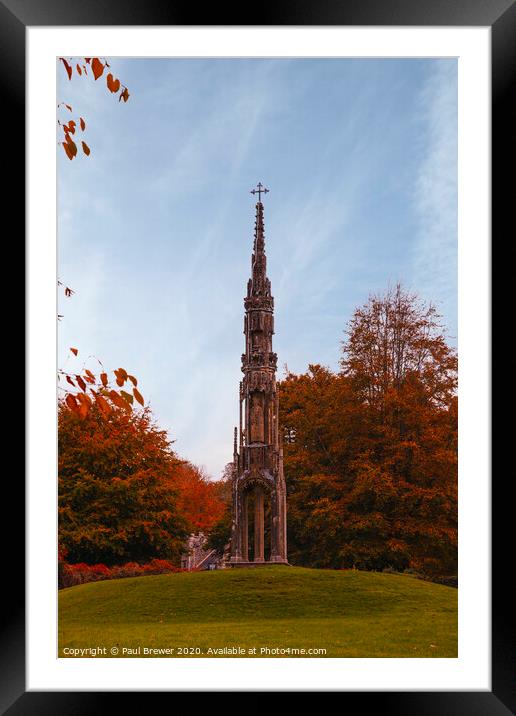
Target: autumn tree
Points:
(396, 344)
(199, 500)
(371, 453)
(117, 498)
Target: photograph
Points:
(257, 360)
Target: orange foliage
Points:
(124, 495)
(117, 499)
(102, 394)
(371, 453)
(199, 498)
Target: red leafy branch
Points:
(69, 127)
(90, 389)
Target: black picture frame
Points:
(500, 15)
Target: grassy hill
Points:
(348, 613)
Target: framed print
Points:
(289, 492)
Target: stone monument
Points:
(258, 479)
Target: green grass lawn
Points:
(348, 613)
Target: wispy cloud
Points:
(435, 192)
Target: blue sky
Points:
(155, 228)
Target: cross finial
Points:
(260, 189)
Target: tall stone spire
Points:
(258, 466)
(259, 281)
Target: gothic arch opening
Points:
(257, 533)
